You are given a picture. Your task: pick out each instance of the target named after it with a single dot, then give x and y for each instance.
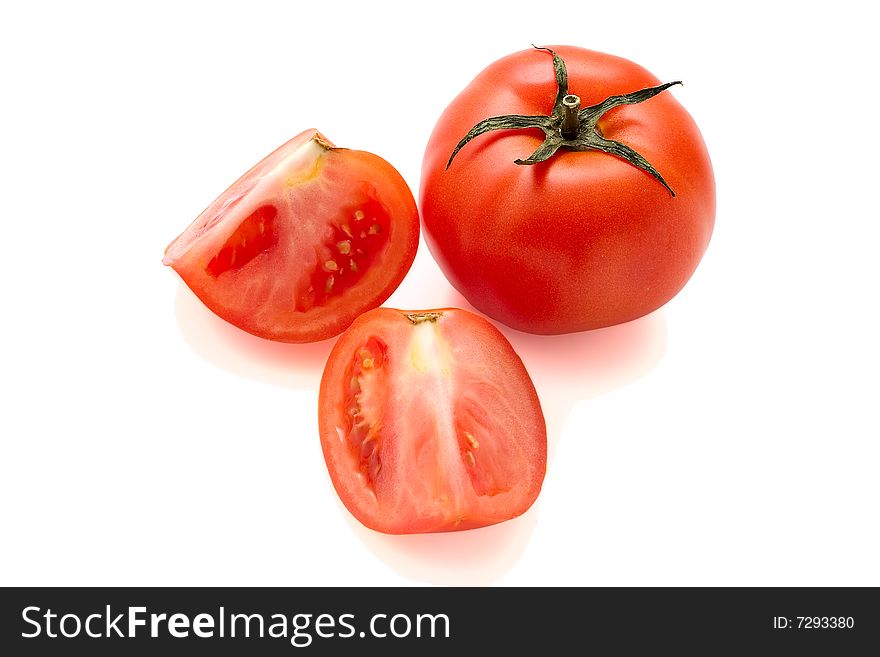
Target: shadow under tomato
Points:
(229, 348)
(569, 369)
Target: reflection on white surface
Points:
(568, 369)
(239, 352)
(565, 369)
(475, 557)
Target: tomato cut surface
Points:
(303, 243)
(429, 422)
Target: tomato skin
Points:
(260, 255)
(461, 439)
(585, 239)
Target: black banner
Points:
(436, 621)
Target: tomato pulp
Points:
(584, 238)
(303, 243)
(429, 422)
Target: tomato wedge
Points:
(429, 422)
(303, 243)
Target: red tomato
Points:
(596, 234)
(429, 422)
(303, 243)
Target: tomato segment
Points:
(429, 422)
(303, 243)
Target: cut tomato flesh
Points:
(253, 236)
(430, 423)
(365, 392)
(303, 243)
(353, 241)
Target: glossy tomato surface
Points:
(429, 422)
(584, 239)
(303, 243)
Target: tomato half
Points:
(555, 229)
(303, 243)
(429, 422)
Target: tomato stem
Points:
(571, 104)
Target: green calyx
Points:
(570, 127)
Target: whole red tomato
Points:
(303, 243)
(565, 189)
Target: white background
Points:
(729, 438)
